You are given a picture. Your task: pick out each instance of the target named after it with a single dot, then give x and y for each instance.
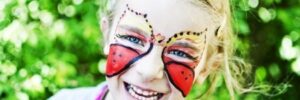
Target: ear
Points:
(105, 33)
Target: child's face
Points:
(157, 48)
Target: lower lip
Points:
(127, 88)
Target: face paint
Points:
(120, 56)
(181, 74)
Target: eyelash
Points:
(181, 54)
(131, 39)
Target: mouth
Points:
(142, 94)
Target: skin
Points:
(152, 42)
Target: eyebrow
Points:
(135, 30)
(187, 45)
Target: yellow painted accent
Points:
(137, 21)
(195, 38)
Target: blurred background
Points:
(46, 45)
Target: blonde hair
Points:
(221, 59)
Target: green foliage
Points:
(46, 45)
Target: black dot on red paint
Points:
(120, 55)
(114, 53)
(182, 72)
(185, 78)
(114, 61)
(190, 75)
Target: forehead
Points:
(172, 16)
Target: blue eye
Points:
(179, 53)
(133, 39)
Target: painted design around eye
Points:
(120, 56)
(180, 74)
(132, 39)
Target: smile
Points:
(142, 94)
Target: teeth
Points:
(137, 93)
(146, 93)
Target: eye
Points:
(132, 39)
(180, 54)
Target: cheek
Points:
(118, 59)
(181, 74)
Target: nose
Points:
(150, 67)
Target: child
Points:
(157, 49)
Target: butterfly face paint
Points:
(178, 56)
(122, 56)
(181, 72)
